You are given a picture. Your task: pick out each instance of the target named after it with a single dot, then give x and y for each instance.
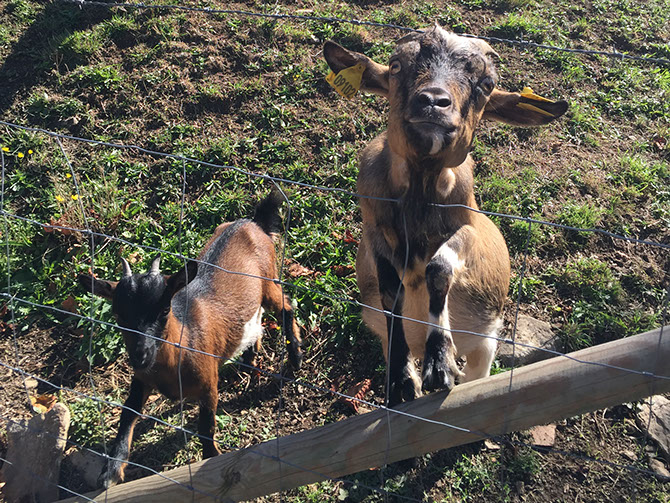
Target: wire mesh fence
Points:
(89, 233)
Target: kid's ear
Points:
(375, 76)
(99, 287)
(525, 109)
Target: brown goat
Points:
(418, 259)
(200, 307)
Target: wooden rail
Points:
(543, 392)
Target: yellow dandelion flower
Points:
(75, 197)
(30, 152)
(5, 149)
(20, 155)
(68, 175)
(60, 199)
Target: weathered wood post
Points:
(618, 372)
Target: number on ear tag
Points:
(348, 81)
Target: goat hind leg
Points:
(207, 422)
(281, 304)
(403, 383)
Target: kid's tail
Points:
(267, 212)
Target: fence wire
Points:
(280, 377)
(525, 44)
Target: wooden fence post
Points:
(542, 392)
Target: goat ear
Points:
(375, 76)
(523, 109)
(182, 277)
(99, 287)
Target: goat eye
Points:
(395, 67)
(487, 85)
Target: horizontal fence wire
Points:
(322, 188)
(279, 376)
(357, 22)
(479, 434)
(288, 284)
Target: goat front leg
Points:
(402, 375)
(207, 421)
(114, 470)
(439, 363)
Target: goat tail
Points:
(267, 213)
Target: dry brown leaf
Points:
(356, 392)
(70, 304)
(42, 403)
(296, 270)
(342, 270)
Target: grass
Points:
(249, 93)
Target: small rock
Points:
(659, 469)
(659, 426)
(34, 451)
(491, 445)
(629, 455)
(532, 332)
(544, 436)
(88, 464)
(30, 383)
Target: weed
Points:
(85, 423)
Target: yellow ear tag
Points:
(528, 94)
(348, 81)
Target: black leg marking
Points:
(249, 358)
(207, 427)
(392, 295)
(439, 365)
(438, 278)
(436, 369)
(292, 342)
(113, 472)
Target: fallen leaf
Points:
(42, 403)
(70, 304)
(270, 325)
(544, 436)
(296, 270)
(491, 445)
(349, 237)
(342, 270)
(355, 393)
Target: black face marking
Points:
(449, 67)
(139, 305)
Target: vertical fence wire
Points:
(17, 353)
(78, 194)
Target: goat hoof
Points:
(402, 389)
(110, 476)
(295, 357)
(438, 374)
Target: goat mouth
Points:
(431, 125)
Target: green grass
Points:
(250, 93)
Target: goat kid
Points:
(447, 266)
(200, 307)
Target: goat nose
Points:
(434, 97)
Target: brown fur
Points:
(439, 87)
(221, 307)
